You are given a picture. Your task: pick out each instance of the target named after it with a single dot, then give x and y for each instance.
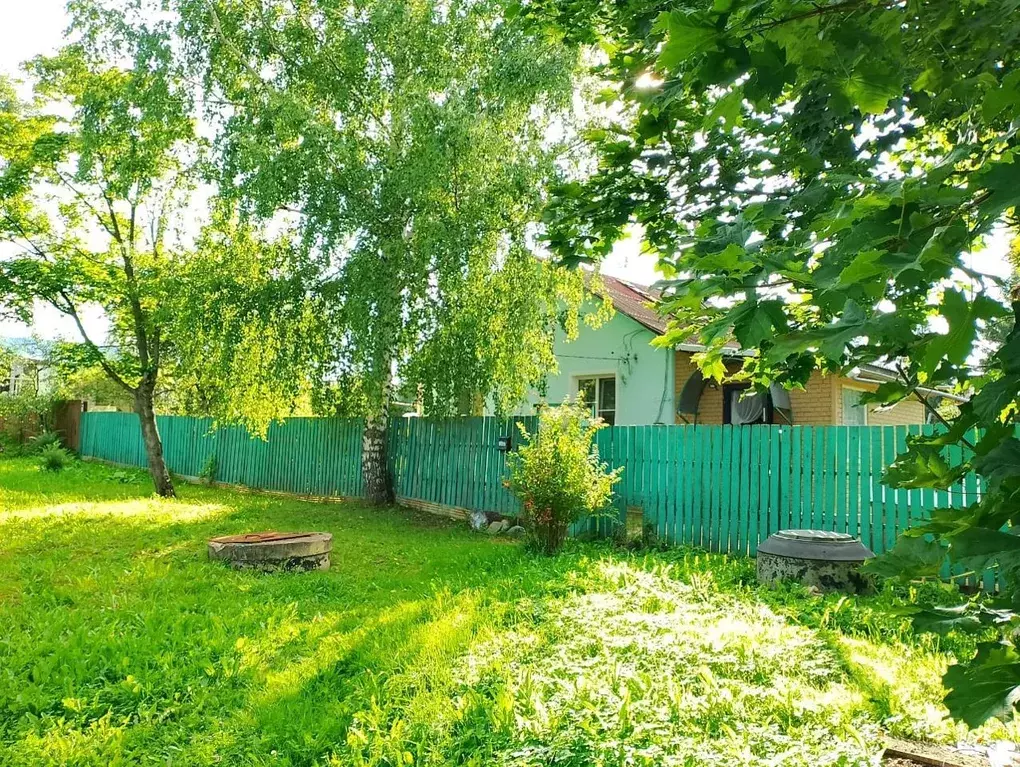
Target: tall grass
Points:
(120, 643)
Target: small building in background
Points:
(24, 369)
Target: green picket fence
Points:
(725, 488)
(307, 456)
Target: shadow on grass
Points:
(123, 642)
(122, 639)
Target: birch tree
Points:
(405, 140)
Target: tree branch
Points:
(927, 405)
(820, 10)
(70, 310)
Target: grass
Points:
(425, 644)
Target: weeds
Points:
(54, 458)
(43, 441)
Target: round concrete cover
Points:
(269, 546)
(821, 545)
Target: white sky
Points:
(31, 27)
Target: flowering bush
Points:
(558, 475)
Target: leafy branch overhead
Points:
(813, 178)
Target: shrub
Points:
(208, 473)
(23, 415)
(54, 458)
(44, 441)
(558, 476)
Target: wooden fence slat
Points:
(853, 511)
(841, 477)
(745, 507)
(864, 486)
(902, 494)
(796, 477)
(720, 487)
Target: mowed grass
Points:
(425, 644)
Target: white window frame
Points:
(598, 378)
(843, 406)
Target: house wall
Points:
(905, 413)
(819, 403)
(619, 347)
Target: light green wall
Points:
(620, 347)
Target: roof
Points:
(880, 374)
(635, 301)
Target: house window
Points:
(855, 413)
(599, 393)
(741, 410)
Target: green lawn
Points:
(425, 644)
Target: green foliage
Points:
(44, 441)
(79, 377)
(911, 557)
(208, 473)
(987, 687)
(54, 458)
(24, 415)
(412, 179)
(558, 476)
(813, 178)
(427, 640)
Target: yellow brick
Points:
(819, 403)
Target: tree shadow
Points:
(202, 663)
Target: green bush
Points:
(54, 458)
(208, 473)
(558, 476)
(43, 441)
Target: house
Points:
(630, 382)
(23, 369)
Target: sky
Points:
(31, 28)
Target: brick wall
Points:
(906, 412)
(819, 403)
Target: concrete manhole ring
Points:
(272, 551)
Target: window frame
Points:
(598, 378)
(842, 406)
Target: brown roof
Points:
(635, 301)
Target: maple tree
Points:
(813, 178)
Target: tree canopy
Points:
(406, 142)
(98, 174)
(813, 178)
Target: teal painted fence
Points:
(725, 488)
(455, 462)
(307, 456)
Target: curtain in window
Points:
(747, 409)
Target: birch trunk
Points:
(375, 470)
